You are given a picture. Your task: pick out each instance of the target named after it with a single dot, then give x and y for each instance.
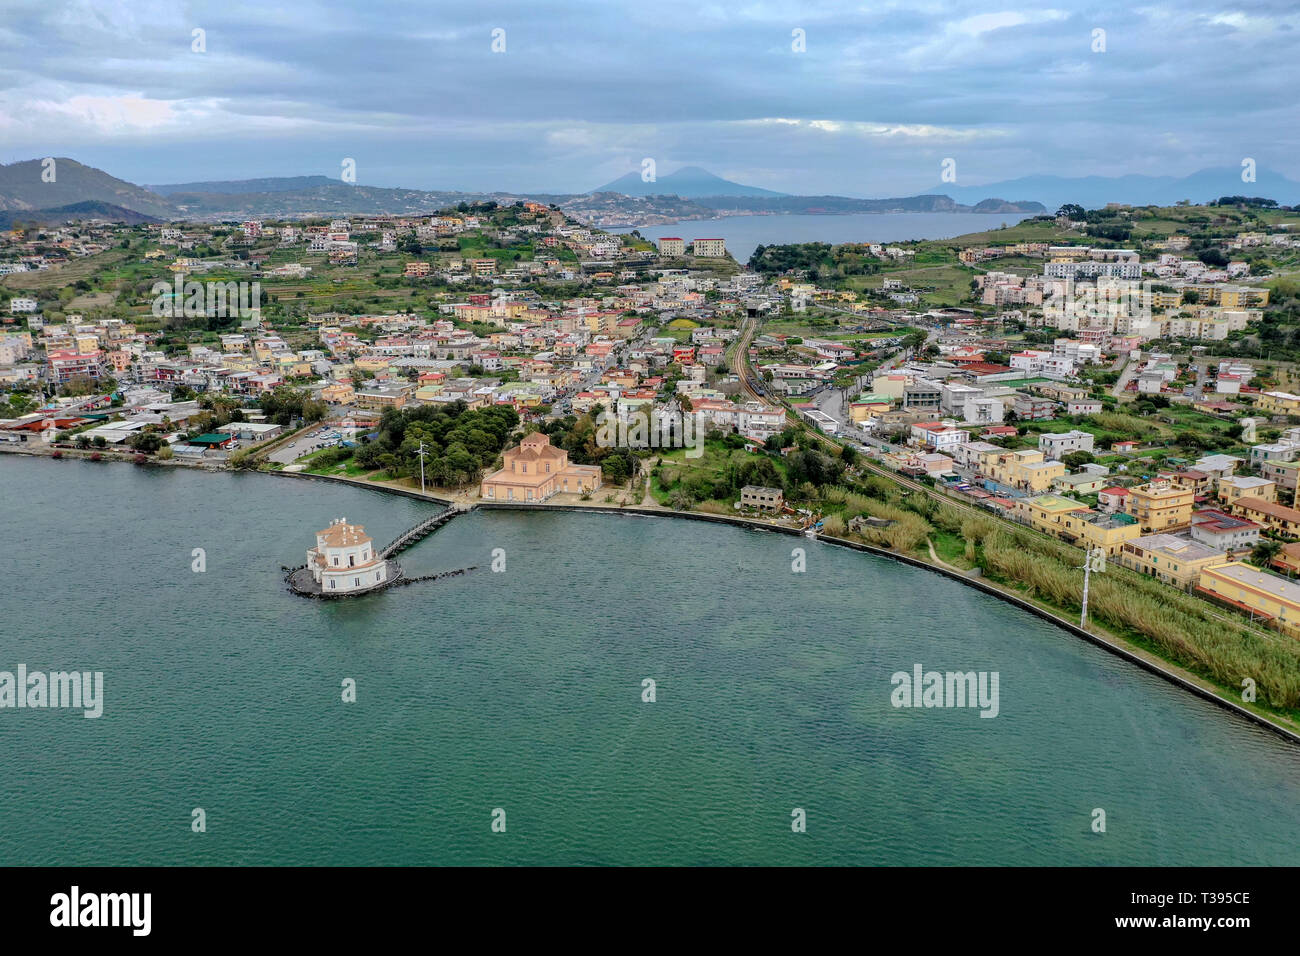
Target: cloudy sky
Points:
(881, 94)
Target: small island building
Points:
(345, 561)
(536, 470)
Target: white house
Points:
(1058, 445)
(345, 560)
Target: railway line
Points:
(740, 364)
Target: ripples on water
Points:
(522, 690)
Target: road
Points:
(745, 372)
(289, 453)
(1130, 369)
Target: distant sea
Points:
(744, 233)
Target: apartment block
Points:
(1261, 593)
(1169, 558)
(1161, 506)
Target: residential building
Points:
(1271, 515)
(1257, 592)
(941, 436)
(1024, 470)
(1062, 444)
(1112, 500)
(1218, 529)
(1050, 513)
(1169, 558)
(1217, 466)
(765, 499)
(1278, 403)
(1082, 482)
(1285, 476)
(1107, 532)
(1235, 488)
(1161, 506)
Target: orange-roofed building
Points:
(536, 470)
(344, 560)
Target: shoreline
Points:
(1143, 659)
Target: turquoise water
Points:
(521, 690)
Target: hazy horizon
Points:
(802, 98)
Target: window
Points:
(356, 582)
(333, 583)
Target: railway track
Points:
(742, 367)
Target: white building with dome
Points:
(345, 561)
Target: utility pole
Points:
(1095, 557)
(1083, 613)
(421, 453)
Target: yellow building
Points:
(1161, 506)
(1027, 469)
(338, 393)
(1076, 523)
(373, 363)
(1173, 560)
(1242, 296)
(1278, 403)
(379, 399)
(1108, 532)
(1236, 488)
(1258, 592)
(1050, 513)
(1271, 515)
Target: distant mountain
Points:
(1095, 191)
(330, 198)
(274, 184)
(74, 212)
(689, 182)
(22, 186)
(842, 205)
(703, 187)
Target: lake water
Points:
(522, 690)
(745, 233)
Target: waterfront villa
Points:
(344, 560)
(535, 470)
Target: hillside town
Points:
(1089, 393)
